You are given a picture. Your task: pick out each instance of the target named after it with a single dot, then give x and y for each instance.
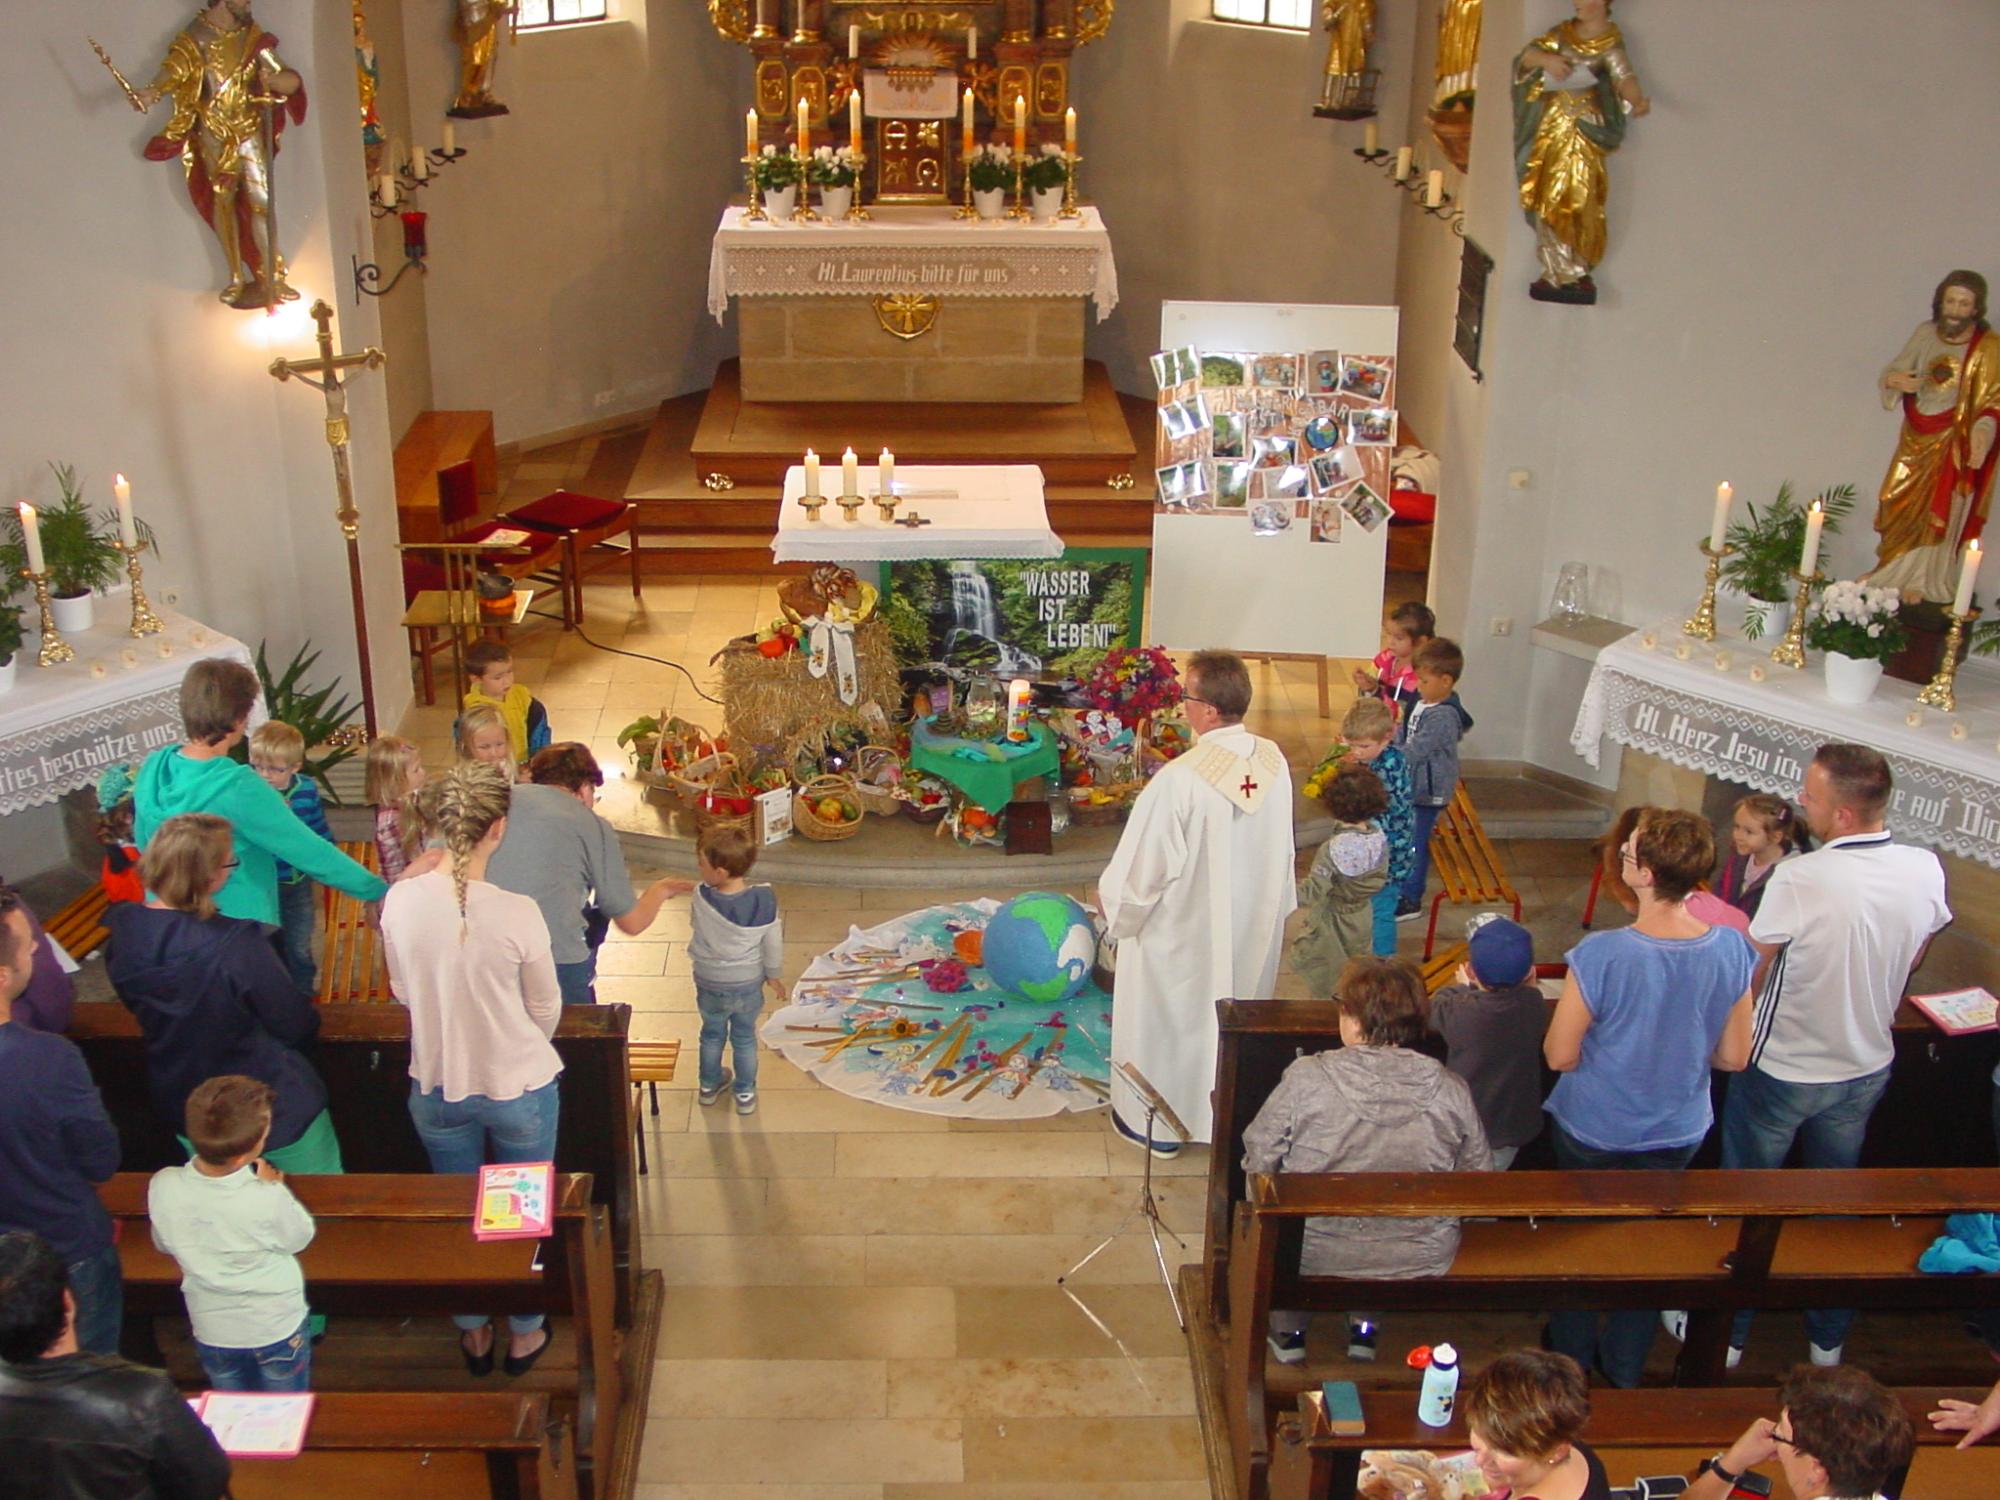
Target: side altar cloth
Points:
(970, 510)
(913, 305)
(1705, 712)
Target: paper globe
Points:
(1040, 946)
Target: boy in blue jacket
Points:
(1428, 738)
(277, 750)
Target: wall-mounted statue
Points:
(231, 97)
(1574, 90)
(1940, 481)
(476, 26)
(1350, 27)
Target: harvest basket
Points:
(805, 809)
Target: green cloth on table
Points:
(987, 782)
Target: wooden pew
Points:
(403, 1245)
(79, 926)
(351, 966)
(1634, 1432)
(1713, 1242)
(407, 1445)
(363, 1053)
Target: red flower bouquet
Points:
(1132, 682)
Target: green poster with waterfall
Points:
(1053, 617)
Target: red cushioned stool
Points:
(583, 522)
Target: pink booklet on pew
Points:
(254, 1424)
(1960, 1012)
(515, 1201)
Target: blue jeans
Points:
(578, 982)
(1761, 1119)
(1621, 1347)
(298, 912)
(463, 1135)
(1420, 867)
(731, 1011)
(1382, 914)
(98, 1284)
(283, 1366)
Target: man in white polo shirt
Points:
(1839, 929)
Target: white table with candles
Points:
(960, 510)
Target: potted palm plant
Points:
(77, 550)
(1757, 576)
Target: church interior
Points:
(849, 417)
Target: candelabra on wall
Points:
(386, 194)
(1403, 171)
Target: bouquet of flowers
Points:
(1856, 620)
(992, 166)
(1046, 171)
(776, 170)
(1322, 773)
(1133, 681)
(833, 166)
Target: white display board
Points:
(1215, 583)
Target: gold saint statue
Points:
(1940, 482)
(231, 97)
(1574, 89)
(1458, 49)
(1352, 27)
(476, 25)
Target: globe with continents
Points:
(1040, 946)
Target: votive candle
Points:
(1968, 574)
(1815, 523)
(885, 473)
(812, 472)
(850, 474)
(128, 532)
(1724, 494)
(1404, 155)
(31, 538)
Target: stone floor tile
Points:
(1071, 1450)
(780, 1389)
(802, 1451)
(955, 1154)
(1040, 1388)
(806, 1322)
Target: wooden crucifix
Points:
(323, 375)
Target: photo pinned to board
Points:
(1230, 440)
(1366, 506)
(1275, 372)
(1323, 371)
(1187, 365)
(1325, 517)
(1232, 484)
(1270, 518)
(1185, 488)
(1174, 368)
(1368, 376)
(1269, 418)
(1372, 427)
(1177, 421)
(1328, 473)
(1288, 483)
(1273, 452)
(1223, 371)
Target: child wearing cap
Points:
(1492, 1022)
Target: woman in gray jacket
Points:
(1371, 1105)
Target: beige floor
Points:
(862, 1302)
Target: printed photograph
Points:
(1367, 507)
(1326, 521)
(1177, 420)
(1367, 376)
(1232, 484)
(1328, 473)
(1196, 411)
(1222, 370)
(1323, 371)
(1172, 483)
(1187, 364)
(1270, 518)
(1231, 441)
(1276, 372)
(1273, 452)
(1164, 367)
(1372, 427)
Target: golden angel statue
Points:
(476, 26)
(1940, 481)
(1351, 25)
(231, 98)
(1574, 90)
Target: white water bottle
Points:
(1440, 1389)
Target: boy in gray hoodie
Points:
(738, 948)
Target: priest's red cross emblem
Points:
(1248, 786)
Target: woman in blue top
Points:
(1646, 1012)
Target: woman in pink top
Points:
(472, 963)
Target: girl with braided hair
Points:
(472, 963)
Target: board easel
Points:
(1321, 663)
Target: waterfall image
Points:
(975, 626)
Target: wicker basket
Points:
(880, 797)
(916, 811)
(808, 822)
(728, 782)
(1085, 814)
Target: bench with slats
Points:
(1467, 866)
(652, 1064)
(79, 926)
(351, 968)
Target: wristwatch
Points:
(1714, 1466)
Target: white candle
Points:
(850, 474)
(749, 132)
(805, 136)
(1723, 495)
(885, 472)
(31, 538)
(1403, 156)
(420, 163)
(450, 138)
(1815, 523)
(1968, 572)
(388, 191)
(972, 44)
(1069, 131)
(1434, 189)
(967, 142)
(812, 472)
(121, 492)
(1371, 137)
(854, 44)
(854, 119)
(1020, 125)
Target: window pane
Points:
(1292, 13)
(535, 13)
(1239, 10)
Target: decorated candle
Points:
(850, 470)
(750, 132)
(31, 538)
(1968, 573)
(451, 139)
(1371, 137)
(121, 491)
(854, 119)
(885, 472)
(1069, 131)
(812, 472)
(1815, 524)
(1434, 189)
(1404, 155)
(1723, 495)
(1017, 709)
(1020, 126)
(967, 141)
(805, 130)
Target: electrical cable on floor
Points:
(578, 631)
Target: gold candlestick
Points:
(755, 212)
(1020, 208)
(857, 213)
(849, 505)
(1701, 626)
(55, 650)
(1939, 692)
(1069, 208)
(144, 621)
(885, 504)
(1791, 651)
(965, 210)
(812, 505)
(804, 209)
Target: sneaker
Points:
(1733, 1358)
(1824, 1357)
(1409, 911)
(1290, 1348)
(1164, 1150)
(710, 1095)
(1676, 1324)
(746, 1104)
(1360, 1340)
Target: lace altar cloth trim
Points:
(1712, 718)
(912, 250)
(117, 701)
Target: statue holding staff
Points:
(476, 26)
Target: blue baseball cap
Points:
(1502, 953)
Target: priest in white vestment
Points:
(1196, 897)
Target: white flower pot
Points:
(73, 615)
(781, 203)
(991, 202)
(834, 202)
(7, 671)
(1851, 679)
(1733, 613)
(1047, 203)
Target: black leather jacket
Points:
(95, 1427)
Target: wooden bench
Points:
(422, 1445)
(652, 1064)
(1634, 1432)
(437, 440)
(403, 1245)
(79, 926)
(351, 967)
(1713, 1242)
(1467, 865)
(363, 1053)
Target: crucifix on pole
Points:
(327, 368)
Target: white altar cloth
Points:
(912, 248)
(998, 512)
(1695, 713)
